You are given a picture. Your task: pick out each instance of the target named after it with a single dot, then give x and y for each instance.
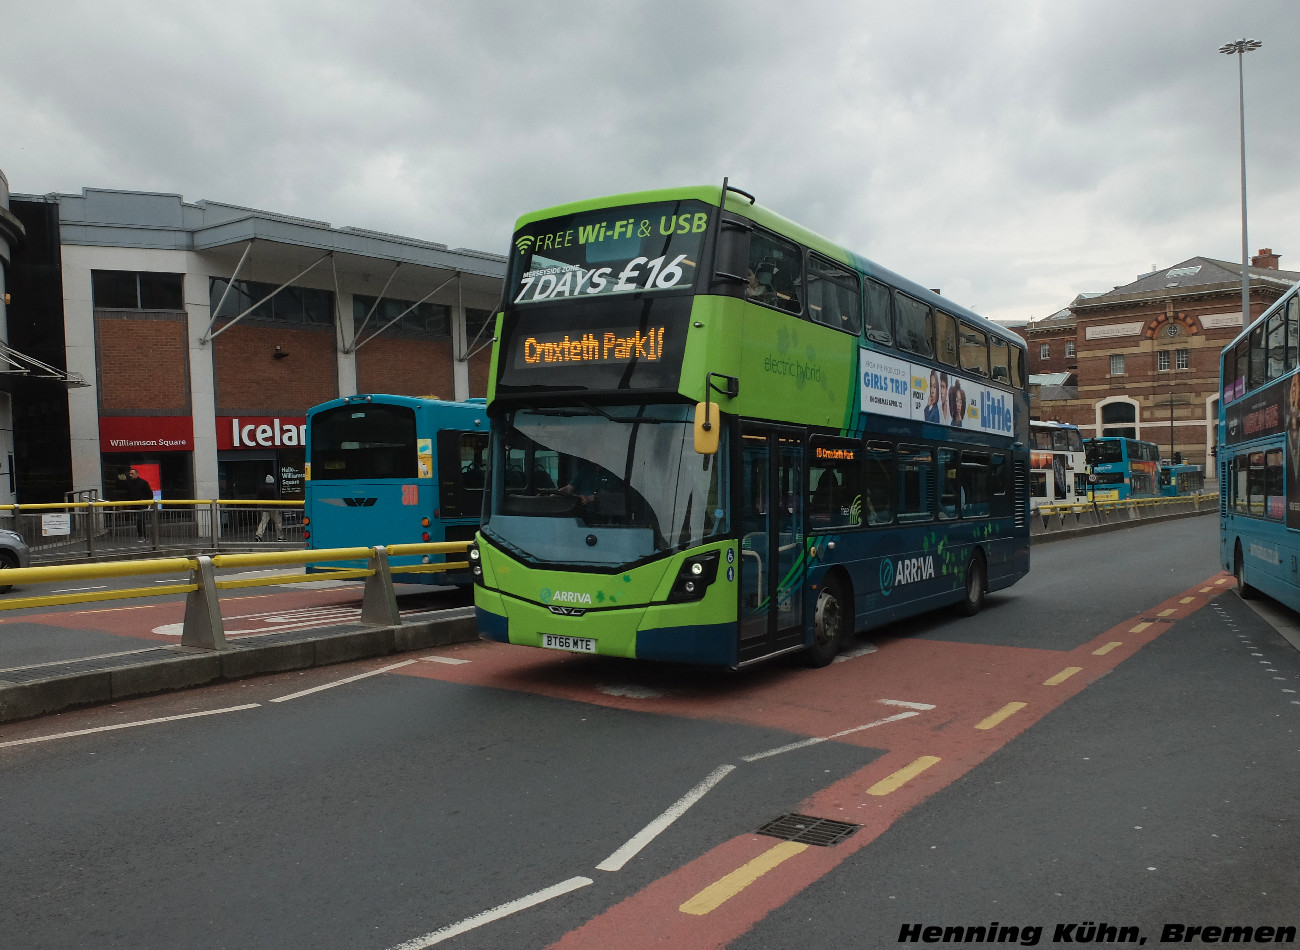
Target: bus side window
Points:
(1257, 367)
(999, 472)
(915, 483)
(948, 484)
(879, 312)
(1275, 339)
(833, 297)
(1274, 499)
(974, 478)
(1242, 364)
(915, 326)
(460, 471)
(1293, 333)
(1000, 351)
(945, 333)
(836, 479)
(974, 350)
(1017, 367)
(775, 275)
(877, 484)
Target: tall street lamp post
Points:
(1240, 48)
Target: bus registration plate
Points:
(574, 644)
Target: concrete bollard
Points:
(379, 599)
(203, 629)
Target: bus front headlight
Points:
(694, 578)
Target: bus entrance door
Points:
(772, 544)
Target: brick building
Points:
(1142, 360)
(189, 339)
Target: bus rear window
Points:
(364, 441)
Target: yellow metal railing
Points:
(1077, 507)
(202, 626)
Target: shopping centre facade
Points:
(188, 339)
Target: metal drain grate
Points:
(808, 830)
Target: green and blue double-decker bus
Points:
(718, 438)
(1258, 453)
(385, 469)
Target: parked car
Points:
(13, 553)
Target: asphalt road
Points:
(1114, 741)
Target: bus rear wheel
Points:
(1244, 590)
(830, 623)
(975, 574)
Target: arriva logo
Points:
(906, 570)
(565, 597)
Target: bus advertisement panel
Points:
(714, 439)
(908, 390)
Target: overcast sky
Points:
(1011, 153)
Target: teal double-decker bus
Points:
(717, 438)
(1258, 453)
(385, 469)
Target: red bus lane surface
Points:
(934, 709)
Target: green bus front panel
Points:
(625, 614)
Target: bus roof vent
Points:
(806, 829)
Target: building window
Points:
(1044, 351)
(1162, 360)
(134, 290)
(400, 316)
(1117, 365)
(1069, 349)
(1183, 361)
(288, 305)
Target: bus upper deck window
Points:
(915, 326)
(878, 312)
(945, 336)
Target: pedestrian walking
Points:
(137, 489)
(267, 492)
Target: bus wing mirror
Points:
(707, 428)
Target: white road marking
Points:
(79, 590)
(129, 725)
(496, 913)
(805, 743)
(855, 653)
(647, 834)
(817, 741)
(450, 660)
(350, 679)
(631, 692)
(905, 705)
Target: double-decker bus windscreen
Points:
(601, 486)
(364, 441)
(647, 247)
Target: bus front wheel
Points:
(1244, 590)
(830, 623)
(975, 573)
